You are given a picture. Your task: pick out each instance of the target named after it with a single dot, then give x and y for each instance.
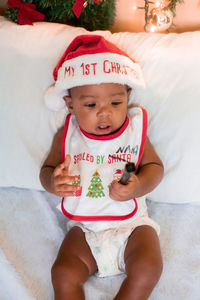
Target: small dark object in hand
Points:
(128, 171)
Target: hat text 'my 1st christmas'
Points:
(90, 59)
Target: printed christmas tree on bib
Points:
(95, 189)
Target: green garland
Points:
(95, 16)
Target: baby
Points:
(109, 231)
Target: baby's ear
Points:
(129, 91)
(68, 101)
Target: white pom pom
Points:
(54, 98)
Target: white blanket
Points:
(31, 230)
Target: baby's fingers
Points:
(114, 190)
(65, 179)
(59, 170)
(115, 185)
(63, 168)
(120, 192)
(67, 190)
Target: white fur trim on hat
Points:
(54, 99)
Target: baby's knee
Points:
(60, 277)
(69, 274)
(153, 271)
(147, 271)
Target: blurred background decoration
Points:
(158, 14)
(91, 14)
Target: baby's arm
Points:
(54, 175)
(149, 176)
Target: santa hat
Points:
(90, 59)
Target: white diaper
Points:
(108, 246)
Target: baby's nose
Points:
(103, 111)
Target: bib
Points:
(98, 160)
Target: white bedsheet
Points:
(31, 230)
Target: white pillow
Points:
(28, 55)
(171, 67)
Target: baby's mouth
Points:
(104, 129)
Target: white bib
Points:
(99, 160)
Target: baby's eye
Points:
(115, 103)
(90, 104)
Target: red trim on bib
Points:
(64, 137)
(99, 218)
(144, 136)
(109, 136)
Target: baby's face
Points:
(99, 109)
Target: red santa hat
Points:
(90, 59)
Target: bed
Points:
(31, 228)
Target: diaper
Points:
(108, 246)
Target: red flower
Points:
(26, 13)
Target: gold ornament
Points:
(160, 19)
(85, 4)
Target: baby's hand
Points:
(120, 192)
(61, 181)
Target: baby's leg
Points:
(73, 265)
(143, 264)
